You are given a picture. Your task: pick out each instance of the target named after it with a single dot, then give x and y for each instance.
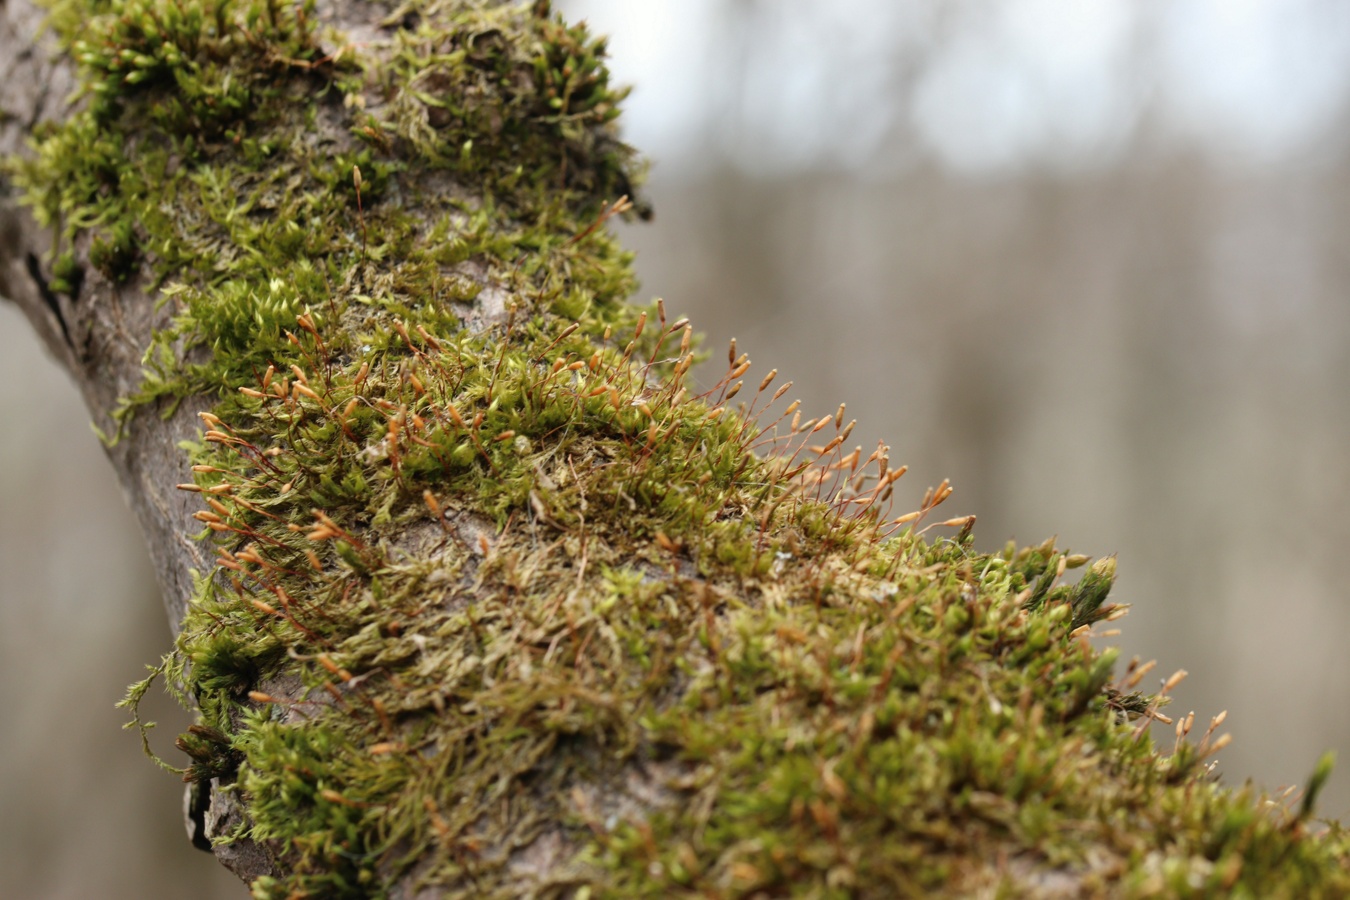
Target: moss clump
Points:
(229, 150)
(493, 575)
(522, 111)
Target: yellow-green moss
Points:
(825, 703)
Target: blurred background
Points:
(1091, 261)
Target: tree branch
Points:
(476, 592)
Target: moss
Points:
(116, 253)
(66, 274)
(826, 701)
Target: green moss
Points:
(66, 274)
(116, 254)
(826, 703)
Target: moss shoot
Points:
(488, 558)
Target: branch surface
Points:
(476, 591)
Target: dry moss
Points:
(483, 578)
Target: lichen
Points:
(486, 576)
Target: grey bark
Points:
(99, 333)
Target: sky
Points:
(980, 87)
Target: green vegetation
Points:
(491, 567)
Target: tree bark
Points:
(476, 594)
(98, 333)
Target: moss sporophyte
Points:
(494, 574)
